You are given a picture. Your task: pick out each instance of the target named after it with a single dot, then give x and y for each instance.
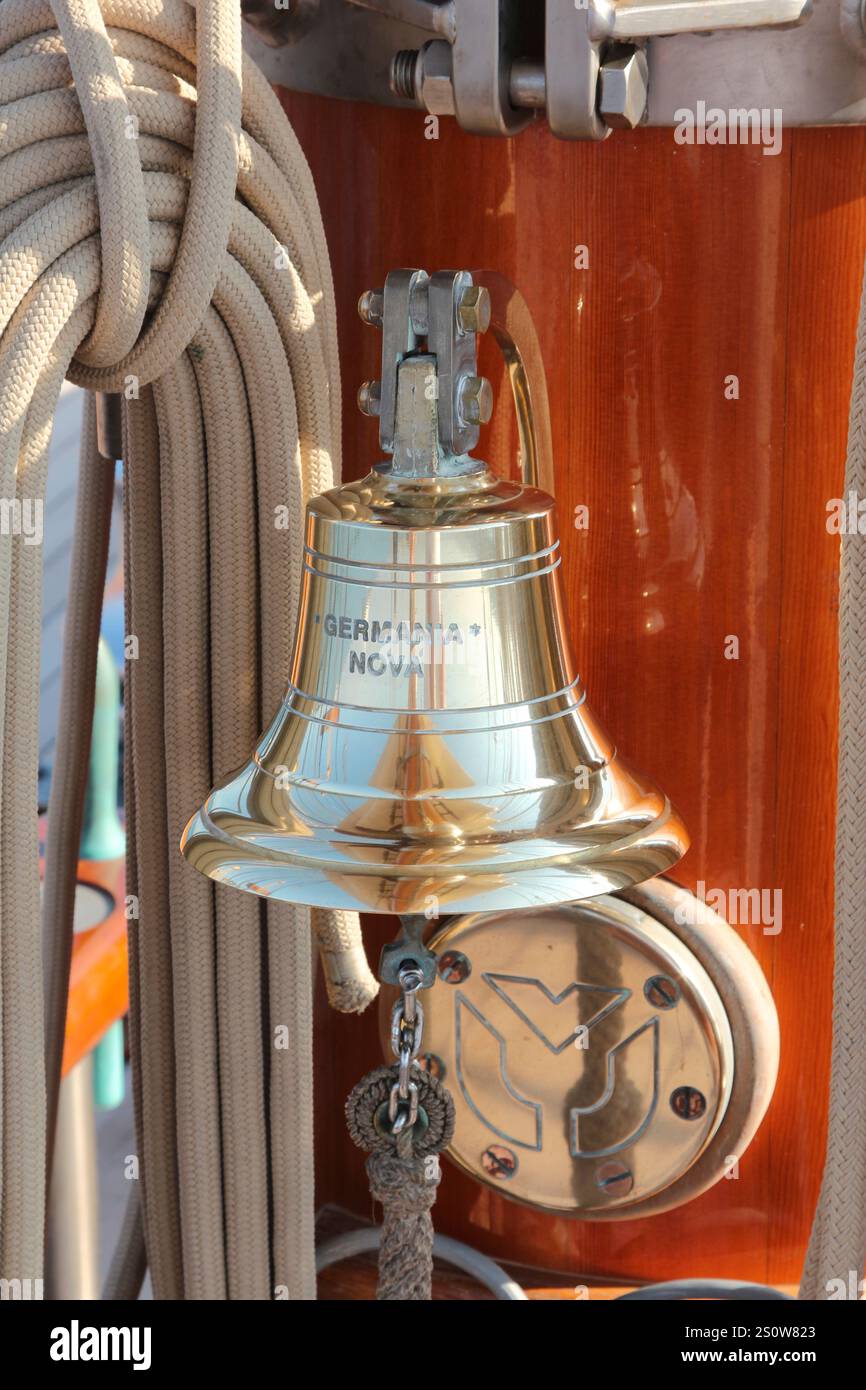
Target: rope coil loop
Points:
(160, 237)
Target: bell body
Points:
(434, 751)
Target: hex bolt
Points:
(434, 78)
(475, 400)
(623, 86)
(404, 78)
(499, 1162)
(662, 992)
(371, 307)
(454, 967)
(473, 310)
(370, 398)
(614, 1178)
(688, 1103)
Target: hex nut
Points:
(435, 78)
(623, 89)
(473, 310)
(475, 400)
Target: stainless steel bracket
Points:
(432, 321)
(401, 335)
(429, 329)
(494, 64)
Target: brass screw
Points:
(473, 310)
(433, 1065)
(662, 992)
(454, 967)
(499, 1162)
(614, 1178)
(370, 398)
(688, 1102)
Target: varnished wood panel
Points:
(706, 522)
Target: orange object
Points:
(99, 976)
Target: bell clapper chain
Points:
(407, 1027)
(404, 1117)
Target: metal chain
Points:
(407, 1028)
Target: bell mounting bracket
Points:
(590, 65)
(429, 325)
(408, 952)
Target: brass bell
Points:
(434, 751)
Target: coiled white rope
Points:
(161, 238)
(837, 1247)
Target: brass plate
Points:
(588, 1051)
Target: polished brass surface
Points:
(434, 751)
(588, 1075)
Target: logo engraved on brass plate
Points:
(608, 1096)
(554, 1049)
(498, 983)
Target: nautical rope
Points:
(402, 1177)
(837, 1247)
(160, 237)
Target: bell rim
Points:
(563, 876)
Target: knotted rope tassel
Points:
(404, 1176)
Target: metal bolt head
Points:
(454, 967)
(688, 1102)
(475, 400)
(434, 78)
(662, 992)
(371, 307)
(614, 1178)
(473, 310)
(499, 1162)
(370, 398)
(432, 1063)
(623, 89)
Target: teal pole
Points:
(102, 837)
(109, 1068)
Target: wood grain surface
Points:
(707, 521)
